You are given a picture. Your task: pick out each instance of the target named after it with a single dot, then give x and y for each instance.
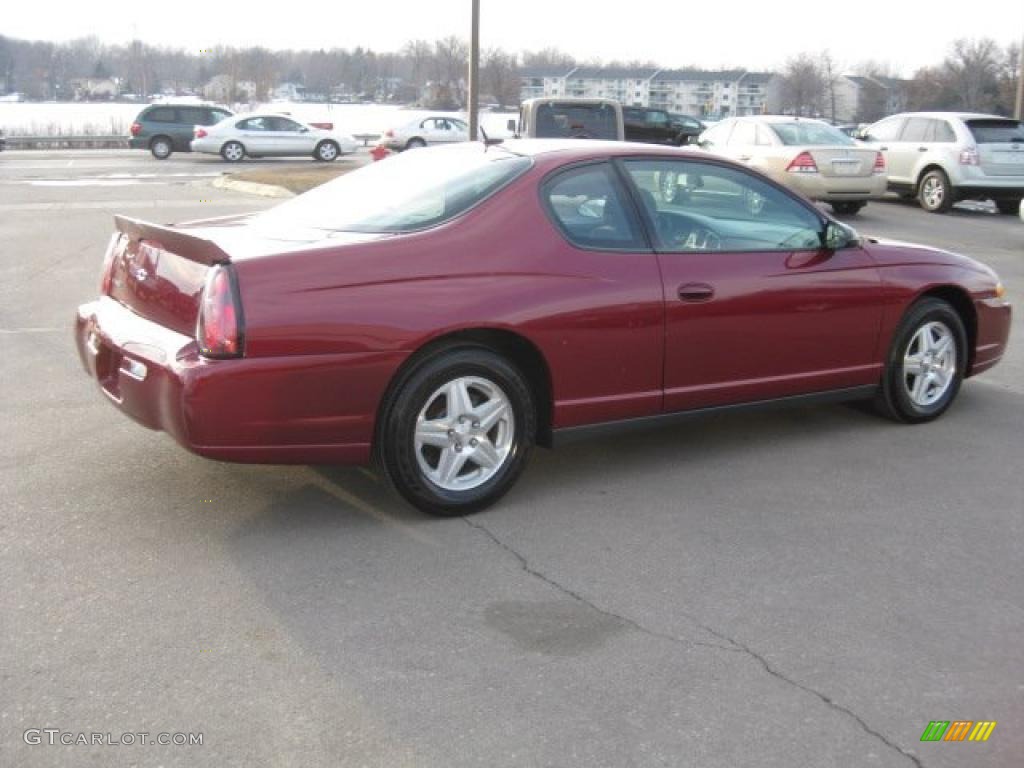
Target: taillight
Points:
(136, 129)
(803, 163)
(219, 331)
(389, 133)
(107, 271)
(200, 133)
(879, 163)
(969, 156)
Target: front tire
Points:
(326, 152)
(415, 143)
(925, 365)
(233, 152)
(161, 147)
(457, 430)
(935, 192)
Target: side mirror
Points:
(838, 236)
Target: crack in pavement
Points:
(734, 646)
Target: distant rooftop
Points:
(678, 75)
(613, 73)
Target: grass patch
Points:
(297, 180)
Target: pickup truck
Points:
(656, 126)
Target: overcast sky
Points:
(755, 34)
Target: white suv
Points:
(943, 157)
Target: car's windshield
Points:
(811, 135)
(414, 190)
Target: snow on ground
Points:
(104, 119)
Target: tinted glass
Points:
(255, 124)
(193, 116)
(996, 131)
(590, 210)
(162, 115)
(411, 191)
(657, 118)
(887, 130)
(811, 135)
(721, 208)
(583, 121)
(284, 124)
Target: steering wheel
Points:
(682, 233)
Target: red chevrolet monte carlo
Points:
(444, 310)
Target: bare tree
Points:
(973, 71)
(830, 77)
(501, 76)
(803, 86)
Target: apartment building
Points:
(707, 93)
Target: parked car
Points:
(552, 117)
(3, 141)
(943, 157)
(167, 128)
(271, 135)
(690, 125)
(810, 156)
(655, 126)
(443, 311)
(436, 129)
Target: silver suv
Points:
(943, 157)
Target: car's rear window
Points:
(565, 120)
(996, 131)
(810, 135)
(406, 193)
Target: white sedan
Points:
(436, 129)
(270, 135)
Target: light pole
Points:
(474, 72)
(1018, 112)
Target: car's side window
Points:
(591, 210)
(715, 207)
(284, 124)
(162, 115)
(717, 136)
(254, 124)
(943, 132)
(917, 129)
(887, 130)
(744, 134)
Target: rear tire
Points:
(935, 192)
(456, 431)
(925, 364)
(1009, 207)
(161, 147)
(233, 152)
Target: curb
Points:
(251, 187)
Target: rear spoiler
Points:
(177, 241)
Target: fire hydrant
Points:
(379, 152)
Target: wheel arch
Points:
(515, 347)
(932, 166)
(961, 302)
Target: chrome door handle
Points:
(696, 292)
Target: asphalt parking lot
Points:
(806, 587)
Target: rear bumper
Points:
(838, 188)
(994, 317)
(302, 409)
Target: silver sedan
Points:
(270, 135)
(436, 129)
